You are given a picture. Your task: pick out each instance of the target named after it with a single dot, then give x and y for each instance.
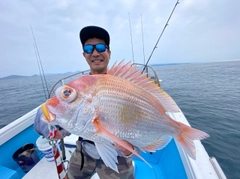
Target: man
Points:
(85, 161)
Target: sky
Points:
(199, 31)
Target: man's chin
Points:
(99, 70)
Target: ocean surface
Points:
(207, 93)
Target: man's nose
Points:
(95, 52)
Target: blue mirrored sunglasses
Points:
(99, 47)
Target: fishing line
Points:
(40, 71)
(131, 36)
(143, 41)
(40, 67)
(160, 35)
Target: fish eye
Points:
(66, 93)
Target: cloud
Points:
(199, 31)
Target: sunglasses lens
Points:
(100, 47)
(88, 49)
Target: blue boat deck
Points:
(166, 163)
(8, 167)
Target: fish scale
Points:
(112, 102)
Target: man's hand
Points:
(124, 151)
(58, 135)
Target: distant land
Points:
(22, 76)
(16, 76)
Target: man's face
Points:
(98, 61)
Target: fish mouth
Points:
(47, 114)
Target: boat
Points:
(169, 162)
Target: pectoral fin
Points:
(108, 154)
(116, 139)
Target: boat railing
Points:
(62, 80)
(149, 70)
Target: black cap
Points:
(94, 32)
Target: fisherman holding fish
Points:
(118, 108)
(86, 159)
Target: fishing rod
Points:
(161, 35)
(40, 67)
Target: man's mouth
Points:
(97, 60)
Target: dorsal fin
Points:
(115, 68)
(135, 76)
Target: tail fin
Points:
(186, 137)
